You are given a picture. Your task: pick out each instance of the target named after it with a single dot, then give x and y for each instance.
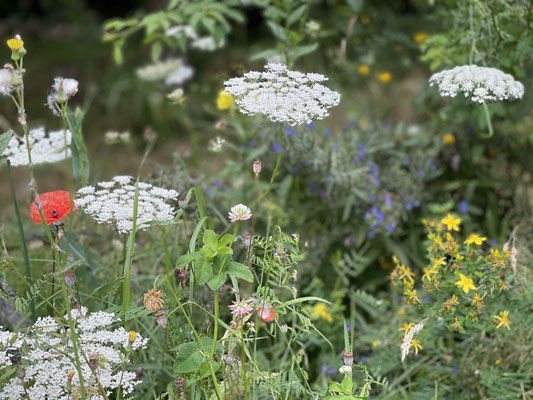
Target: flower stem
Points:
(489, 123)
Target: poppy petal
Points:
(56, 205)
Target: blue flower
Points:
(335, 147)
(390, 227)
(310, 126)
(289, 130)
(327, 132)
(379, 217)
(463, 207)
(364, 359)
(406, 161)
(454, 370)
(370, 234)
(275, 147)
(218, 183)
(409, 206)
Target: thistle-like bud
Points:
(161, 319)
(70, 278)
(181, 384)
(93, 361)
(257, 167)
(283, 328)
(181, 276)
(347, 358)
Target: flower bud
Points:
(283, 327)
(345, 370)
(139, 373)
(21, 371)
(161, 319)
(347, 358)
(132, 336)
(93, 361)
(181, 384)
(70, 278)
(257, 167)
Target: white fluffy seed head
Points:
(282, 95)
(112, 203)
(408, 338)
(6, 88)
(479, 84)
(44, 148)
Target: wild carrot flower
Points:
(266, 313)
(113, 201)
(240, 212)
(451, 222)
(465, 283)
(56, 205)
(173, 71)
(474, 238)
(153, 300)
(50, 148)
(502, 319)
(408, 341)
(283, 95)
(478, 84)
(224, 100)
(241, 308)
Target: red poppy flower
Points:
(56, 205)
(266, 313)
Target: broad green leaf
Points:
(239, 270)
(187, 259)
(204, 270)
(225, 240)
(210, 240)
(4, 141)
(217, 281)
(189, 358)
(303, 50)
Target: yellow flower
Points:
(502, 320)
(416, 344)
(448, 139)
(498, 362)
(363, 69)
(406, 273)
(420, 37)
(321, 311)
(401, 311)
(385, 76)
(465, 283)
(406, 327)
(428, 273)
(224, 100)
(375, 343)
(15, 44)
(451, 222)
(456, 324)
(365, 19)
(438, 262)
(132, 335)
(474, 238)
(477, 300)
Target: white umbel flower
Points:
(207, 43)
(180, 75)
(44, 148)
(178, 31)
(240, 212)
(282, 95)
(406, 344)
(479, 84)
(47, 355)
(6, 88)
(173, 69)
(112, 203)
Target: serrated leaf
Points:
(239, 270)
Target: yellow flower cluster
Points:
(320, 310)
(224, 100)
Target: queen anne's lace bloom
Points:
(47, 355)
(479, 84)
(174, 71)
(112, 202)
(44, 149)
(282, 95)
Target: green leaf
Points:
(239, 270)
(225, 240)
(303, 50)
(4, 141)
(217, 281)
(80, 158)
(189, 358)
(204, 271)
(356, 5)
(297, 14)
(277, 30)
(187, 259)
(210, 240)
(264, 54)
(347, 385)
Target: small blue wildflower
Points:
(426, 298)
(409, 206)
(416, 203)
(207, 191)
(463, 207)
(388, 201)
(374, 210)
(218, 183)
(327, 132)
(372, 198)
(379, 217)
(454, 370)
(132, 284)
(252, 143)
(305, 163)
(390, 227)
(310, 126)
(295, 170)
(420, 172)
(335, 147)
(275, 147)
(357, 160)
(289, 130)
(348, 326)
(406, 161)
(370, 234)
(493, 242)
(312, 186)
(376, 181)
(364, 359)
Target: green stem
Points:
(489, 123)
(276, 168)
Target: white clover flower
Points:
(282, 95)
(112, 203)
(406, 344)
(44, 149)
(240, 212)
(47, 355)
(345, 370)
(62, 89)
(479, 84)
(6, 88)
(180, 75)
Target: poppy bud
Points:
(70, 278)
(161, 319)
(257, 167)
(21, 371)
(347, 358)
(181, 384)
(283, 327)
(93, 361)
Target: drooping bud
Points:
(257, 167)
(181, 276)
(161, 319)
(70, 278)
(21, 372)
(347, 358)
(93, 361)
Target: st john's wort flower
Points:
(240, 212)
(479, 84)
(112, 203)
(56, 205)
(241, 308)
(283, 95)
(61, 91)
(50, 148)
